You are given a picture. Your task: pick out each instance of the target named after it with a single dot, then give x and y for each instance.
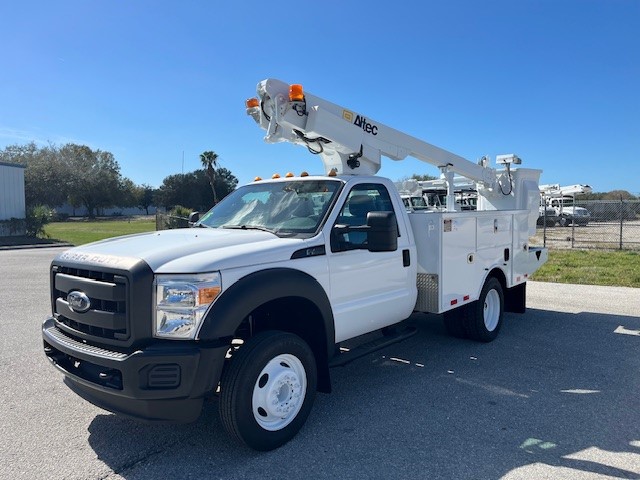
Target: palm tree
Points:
(210, 164)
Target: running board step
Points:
(367, 348)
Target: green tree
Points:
(127, 195)
(209, 161)
(144, 195)
(193, 189)
(96, 181)
(46, 177)
(225, 182)
(422, 177)
(618, 195)
(181, 189)
(72, 173)
(612, 195)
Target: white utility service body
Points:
(456, 252)
(254, 301)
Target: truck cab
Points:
(322, 258)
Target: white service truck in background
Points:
(253, 303)
(560, 202)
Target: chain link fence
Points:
(609, 224)
(165, 221)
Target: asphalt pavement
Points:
(557, 395)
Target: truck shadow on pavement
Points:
(557, 395)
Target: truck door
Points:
(369, 290)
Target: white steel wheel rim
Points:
(279, 392)
(491, 310)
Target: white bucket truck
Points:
(254, 302)
(561, 199)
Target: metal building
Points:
(12, 201)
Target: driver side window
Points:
(362, 199)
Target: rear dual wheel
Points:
(480, 320)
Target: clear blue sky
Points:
(555, 81)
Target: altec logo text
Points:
(366, 126)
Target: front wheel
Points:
(267, 390)
(484, 317)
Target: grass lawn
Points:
(591, 267)
(80, 232)
(588, 267)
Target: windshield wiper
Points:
(259, 227)
(250, 227)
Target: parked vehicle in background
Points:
(561, 199)
(547, 216)
(413, 202)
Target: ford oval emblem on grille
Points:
(78, 301)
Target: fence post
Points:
(544, 227)
(621, 219)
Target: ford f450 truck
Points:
(253, 303)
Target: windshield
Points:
(287, 209)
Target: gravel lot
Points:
(593, 235)
(556, 396)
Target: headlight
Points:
(181, 303)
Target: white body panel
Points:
(370, 290)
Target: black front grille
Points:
(107, 317)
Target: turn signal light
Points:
(208, 294)
(252, 103)
(296, 94)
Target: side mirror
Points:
(382, 234)
(193, 218)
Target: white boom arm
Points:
(555, 190)
(352, 144)
(348, 142)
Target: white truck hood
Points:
(576, 210)
(190, 250)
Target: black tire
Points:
(454, 322)
(252, 373)
(483, 317)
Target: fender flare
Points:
(258, 288)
